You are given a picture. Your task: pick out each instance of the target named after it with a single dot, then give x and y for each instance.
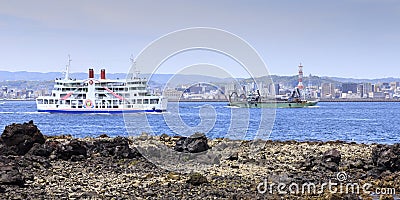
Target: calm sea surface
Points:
(349, 121)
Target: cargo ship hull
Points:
(272, 104)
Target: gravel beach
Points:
(34, 166)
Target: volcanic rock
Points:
(233, 156)
(10, 175)
(74, 148)
(21, 137)
(331, 160)
(193, 144)
(43, 150)
(387, 157)
(116, 148)
(332, 155)
(196, 179)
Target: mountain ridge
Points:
(182, 78)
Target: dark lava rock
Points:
(6, 150)
(103, 136)
(43, 150)
(387, 157)
(193, 144)
(10, 175)
(74, 148)
(164, 137)
(309, 163)
(330, 160)
(196, 179)
(233, 156)
(116, 148)
(180, 144)
(332, 155)
(331, 166)
(21, 137)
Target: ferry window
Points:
(51, 101)
(133, 101)
(154, 101)
(139, 101)
(56, 101)
(145, 101)
(46, 101)
(40, 101)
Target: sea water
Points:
(362, 122)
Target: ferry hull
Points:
(273, 104)
(85, 111)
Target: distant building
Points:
(394, 85)
(367, 88)
(274, 89)
(376, 88)
(230, 88)
(197, 89)
(360, 90)
(385, 86)
(378, 95)
(327, 90)
(346, 87)
(351, 95)
(172, 94)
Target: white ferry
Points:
(100, 95)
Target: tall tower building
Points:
(300, 85)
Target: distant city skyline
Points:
(345, 38)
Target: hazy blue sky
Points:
(348, 38)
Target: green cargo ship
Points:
(274, 104)
(254, 100)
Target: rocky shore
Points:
(34, 166)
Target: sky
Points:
(343, 38)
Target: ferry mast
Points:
(67, 68)
(135, 72)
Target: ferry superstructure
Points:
(101, 95)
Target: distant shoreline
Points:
(321, 100)
(223, 100)
(359, 100)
